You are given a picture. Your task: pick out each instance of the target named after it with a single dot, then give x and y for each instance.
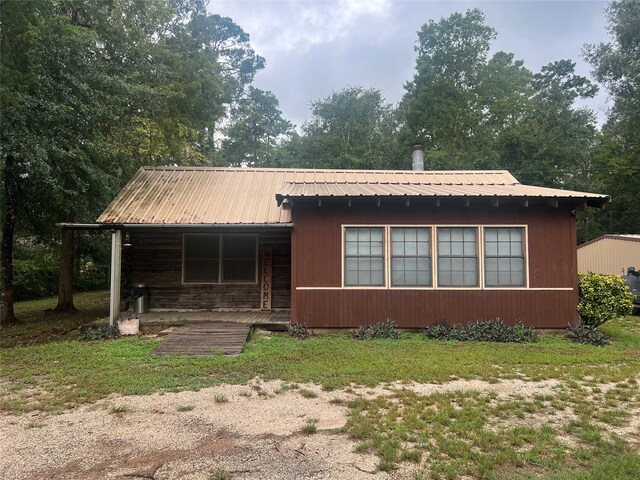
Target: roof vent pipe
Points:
(417, 157)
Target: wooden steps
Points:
(200, 340)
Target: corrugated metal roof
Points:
(295, 190)
(628, 237)
(234, 196)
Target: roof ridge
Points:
(319, 170)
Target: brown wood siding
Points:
(156, 259)
(316, 250)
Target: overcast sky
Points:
(315, 47)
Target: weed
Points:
(310, 427)
(220, 475)
(220, 398)
(185, 408)
(34, 424)
(306, 393)
(336, 401)
(119, 409)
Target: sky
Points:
(313, 48)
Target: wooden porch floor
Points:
(274, 320)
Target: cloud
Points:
(315, 47)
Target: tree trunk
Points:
(67, 263)
(10, 204)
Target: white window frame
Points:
(221, 258)
(434, 257)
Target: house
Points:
(610, 254)
(340, 248)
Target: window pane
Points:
(239, 258)
(504, 258)
(397, 248)
(201, 271)
(410, 263)
(201, 258)
(198, 245)
(364, 256)
(457, 257)
(352, 248)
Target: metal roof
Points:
(629, 237)
(296, 190)
(245, 196)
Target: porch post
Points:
(116, 257)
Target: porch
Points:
(153, 322)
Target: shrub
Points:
(582, 333)
(602, 298)
(100, 333)
(386, 329)
(483, 331)
(34, 278)
(298, 330)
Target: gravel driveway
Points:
(250, 432)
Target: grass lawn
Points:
(40, 324)
(574, 432)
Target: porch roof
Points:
(247, 196)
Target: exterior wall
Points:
(319, 300)
(156, 259)
(609, 255)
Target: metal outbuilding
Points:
(610, 254)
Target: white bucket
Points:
(129, 326)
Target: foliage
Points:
(475, 111)
(92, 90)
(352, 128)
(255, 130)
(483, 331)
(298, 330)
(583, 333)
(603, 298)
(94, 277)
(617, 65)
(35, 279)
(386, 329)
(100, 333)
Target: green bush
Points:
(582, 333)
(494, 330)
(298, 330)
(603, 298)
(385, 329)
(96, 277)
(34, 278)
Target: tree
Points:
(352, 128)
(442, 105)
(617, 65)
(255, 131)
(90, 91)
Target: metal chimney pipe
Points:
(417, 157)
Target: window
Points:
(410, 257)
(239, 258)
(201, 258)
(364, 256)
(215, 258)
(457, 257)
(504, 257)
